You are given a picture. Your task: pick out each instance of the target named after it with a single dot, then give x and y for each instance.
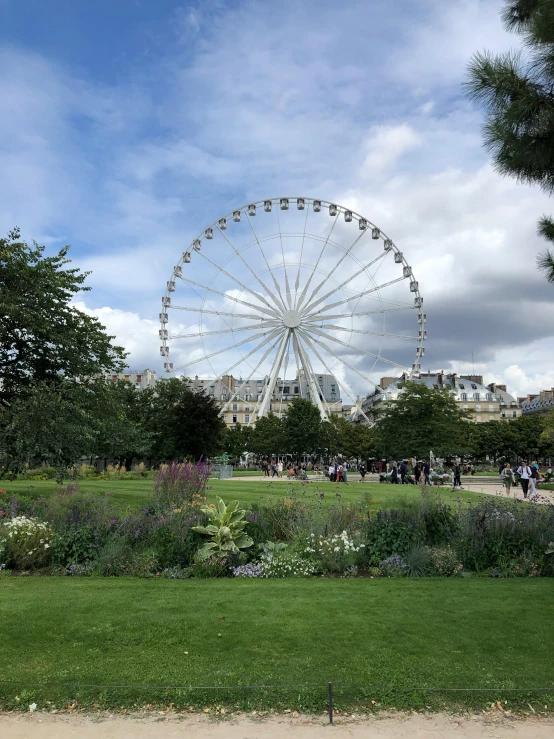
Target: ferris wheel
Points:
(290, 284)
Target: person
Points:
(264, 468)
(507, 477)
(345, 473)
(427, 472)
(524, 472)
(331, 472)
(280, 468)
(403, 471)
(362, 472)
(534, 478)
(457, 470)
(417, 473)
(394, 474)
(339, 472)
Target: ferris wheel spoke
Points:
(271, 313)
(308, 283)
(249, 268)
(297, 283)
(309, 339)
(287, 286)
(227, 348)
(264, 357)
(346, 253)
(277, 286)
(270, 386)
(284, 376)
(333, 327)
(262, 343)
(252, 327)
(339, 383)
(297, 360)
(311, 305)
(216, 312)
(309, 374)
(235, 279)
(356, 297)
(360, 313)
(329, 337)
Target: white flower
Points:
(32, 707)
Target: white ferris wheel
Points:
(293, 284)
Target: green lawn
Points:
(475, 633)
(136, 492)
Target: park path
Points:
(415, 726)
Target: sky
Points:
(129, 126)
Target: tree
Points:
(302, 425)
(238, 439)
(517, 92)
(420, 421)
(42, 335)
(268, 437)
(183, 422)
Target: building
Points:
(241, 403)
(140, 380)
(485, 402)
(540, 403)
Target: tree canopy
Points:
(43, 336)
(421, 421)
(516, 91)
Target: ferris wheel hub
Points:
(292, 318)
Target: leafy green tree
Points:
(420, 421)
(42, 335)
(238, 439)
(50, 424)
(183, 422)
(302, 426)
(516, 91)
(268, 437)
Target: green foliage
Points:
(418, 561)
(386, 536)
(529, 437)
(515, 90)
(43, 336)
(182, 422)
(75, 545)
(421, 420)
(268, 436)
(225, 529)
(238, 439)
(302, 425)
(445, 561)
(25, 543)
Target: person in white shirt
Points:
(280, 468)
(331, 472)
(524, 471)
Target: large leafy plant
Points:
(225, 529)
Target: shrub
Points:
(214, 566)
(418, 561)
(388, 534)
(179, 484)
(25, 543)
(41, 473)
(393, 566)
(333, 553)
(287, 564)
(445, 562)
(77, 544)
(438, 522)
(225, 529)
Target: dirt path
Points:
(437, 726)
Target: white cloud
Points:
(386, 144)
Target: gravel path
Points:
(82, 726)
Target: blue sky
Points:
(128, 126)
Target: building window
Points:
(234, 418)
(491, 407)
(488, 396)
(127, 377)
(286, 390)
(514, 414)
(476, 397)
(473, 386)
(246, 418)
(463, 396)
(235, 407)
(296, 389)
(139, 378)
(462, 387)
(478, 408)
(503, 414)
(114, 378)
(246, 407)
(222, 396)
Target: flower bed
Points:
(178, 536)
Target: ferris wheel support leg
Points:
(268, 392)
(314, 389)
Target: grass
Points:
(456, 633)
(135, 492)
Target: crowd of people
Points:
(527, 475)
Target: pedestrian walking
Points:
(457, 470)
(524, 472)
(345, 473)
(507, 477)
(280, 468)
(362, 472)
(427, 472)
(534, 478)
(331, 472)
(339, 472)
(417, 473)
(403, 471)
